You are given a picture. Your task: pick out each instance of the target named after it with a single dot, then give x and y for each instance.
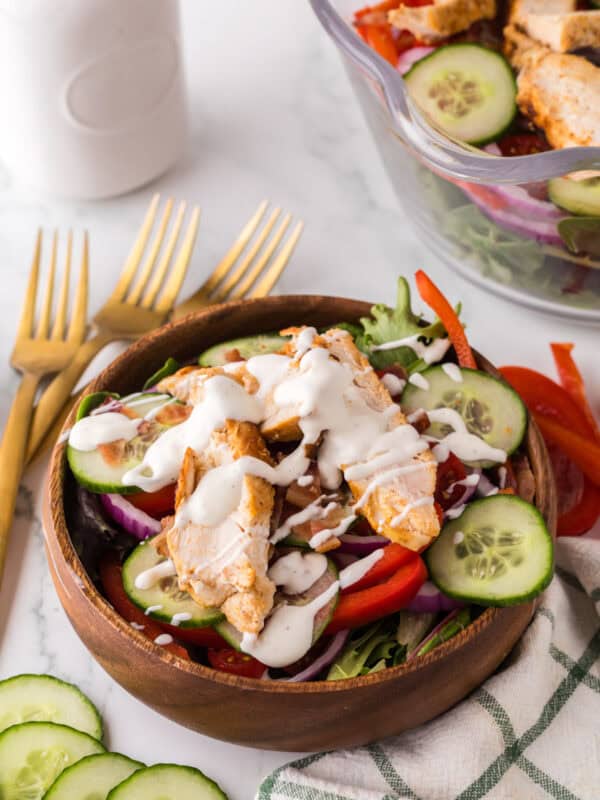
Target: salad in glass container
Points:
(485, 81)
(312, 504)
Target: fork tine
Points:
(61, 312)
(163, 264)
(262, 260)
(78, 322)
(142, 280)
(233, 253)
(28, 311)
(44, 321)
(235, 276)
(135, 256)
(280, 263)
(171, 290)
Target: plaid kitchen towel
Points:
(531, 731)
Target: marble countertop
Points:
(275, 119)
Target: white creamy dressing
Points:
(393, 384)
(327, 533)
(150, 577)
(354, 572)
(182, 616)
(288, 632)
(90, 432)
(453, 372)
(422, 501)
(470, 480)
(137, 627)
(152, 609)
(305, 480)
(163, 639)
(419, 381)
(458, 537)
(295, 572)
(430, 353)
(428, 589)
(466, 446)
(453, 513)
(314, 510)
(502, 475)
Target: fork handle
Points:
(59, 390)
(12, 456)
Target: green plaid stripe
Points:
(389, 773)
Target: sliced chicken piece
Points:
(225, 566)
(564, 32)
(520, 49)
(187, 384)
(441, 19)
(402, 508)
(519, 10)
(560, 93)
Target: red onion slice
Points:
(432, 633)
(408, 58)
(361, 545)
(132, 519)
(429, 600)
(324, 660)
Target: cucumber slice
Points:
(101, 470)
(42, 698)
(578, 197)
(93, 777)
(322, 619)
(490, 408)
(503, 557)
(33, 755)
(167, 782)
(468, 90)
(247, 346)
(165, 597)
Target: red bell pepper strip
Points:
(394, 556)
(582, 517)
(381, 39)
(431, 295)
(360, 608)
(380, 8)
(572, 381)
(110, 575)
(585, 453)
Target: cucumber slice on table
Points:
(497, 553)
(93, 777)
(42, 698)
(33, 755)
(165, 598)
(578, 197)
(322, 619)
(167, 782)
(490, 408)
(468, 90)
(247, 346)
(102, 469)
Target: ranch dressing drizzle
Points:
(315, 510)
(470, 480)
(163, 639)
(422, 501)
(393, 383)
(428, 352)
(305, 480)
(90, 432)
(327, 533)
(295, 573)
(288, 632)
(466, 446)
(419, 381)
(150, 577)
(354, 572)
(453, 372)
(183, 616)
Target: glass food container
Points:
(485, 215)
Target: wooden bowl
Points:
(272, 715)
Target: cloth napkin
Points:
(531, 731)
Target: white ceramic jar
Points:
(92, 100)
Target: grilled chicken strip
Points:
(225, 566)
(441, 19)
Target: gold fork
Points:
(36, 355)
(234, 277)
(135, 307)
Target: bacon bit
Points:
(173, 413)
(129, 412)
(233, 355)
(330, 544)
(421, 421)
(113, 452)
(508, 490)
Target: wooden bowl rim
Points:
(55, 525)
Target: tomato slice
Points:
(110, 575)
(229, 660)
(523, 144)
(449, 472)
(582, 517)
(157, 504)
(367, 605)
(394, 556)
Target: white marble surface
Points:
(272, 116)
